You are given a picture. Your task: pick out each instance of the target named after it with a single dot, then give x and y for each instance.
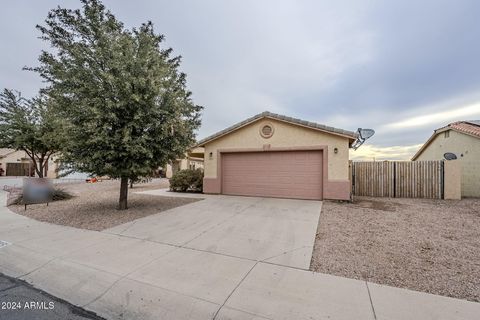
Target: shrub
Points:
(187, 180)
(58, 195)
(139, 180)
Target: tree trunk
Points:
(35, 167)
(40, 169)
(122, 203)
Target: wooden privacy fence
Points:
(398, 179)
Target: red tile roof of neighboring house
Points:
(466, 127)
(471, 128)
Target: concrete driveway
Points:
(279, 231)
(220, 258)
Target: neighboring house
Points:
(17, 163)
(463, 139)
(193, 160)
(277, 156)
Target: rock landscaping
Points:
(426, 245)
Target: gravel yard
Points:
(94, 205)
(419, 244)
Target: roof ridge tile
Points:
(309, 124)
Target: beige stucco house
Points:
(193, 160)
(17, 163)
(277, 156)
(463, 139)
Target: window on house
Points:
(447, 134)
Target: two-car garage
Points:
(285, 174)
(271, 155)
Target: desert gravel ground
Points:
(94, 205)
(420, 244)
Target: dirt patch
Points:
(93, 206)
(426, 245)
(377, 204)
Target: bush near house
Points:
(187, 180)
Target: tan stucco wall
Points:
(285, 135)
(15, 157)
(453, 180)
(168, 171)
(52, 169)
(22, 157)
(182, 165)
(197, 150)
(460, 144)
(196, 164)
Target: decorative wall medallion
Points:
(266, 130)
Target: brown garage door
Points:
(284, 174)
(17, 169)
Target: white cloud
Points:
(445, 117)
(371, 152)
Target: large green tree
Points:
(121, 97)
(29, 125)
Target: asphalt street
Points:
(21, 301)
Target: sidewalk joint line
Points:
(284, 252)
(234, 289)
(126, 275)
(171, 290)
(250, 313)
(179, 246)
(371, 302)
(36, 269)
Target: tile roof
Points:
(266, 114)
(475, 122)
(5, 151)
(468, 127)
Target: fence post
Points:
(442, 181)
(394, 179)
(352, 164)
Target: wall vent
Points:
(266, 130)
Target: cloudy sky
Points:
(402, 68)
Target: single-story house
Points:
(272, 155)
(193, 160)
(463, 139)
(17, 163)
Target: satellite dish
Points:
(450, 156)
(363, 134)
(366, 133)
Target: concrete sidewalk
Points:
(120, 276)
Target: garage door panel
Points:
(290, 174)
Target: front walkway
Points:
(222, 258)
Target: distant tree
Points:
(29, 125)
(121, 97)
